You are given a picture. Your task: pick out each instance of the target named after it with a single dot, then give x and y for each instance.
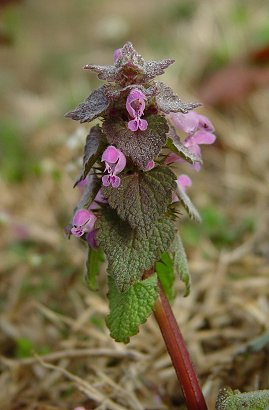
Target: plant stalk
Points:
(178, 352)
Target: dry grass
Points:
(56, 352)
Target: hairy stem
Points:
(178, 352)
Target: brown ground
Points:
(56, 352)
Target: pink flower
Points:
(91, 239)
(83, 222)
(117, 54)
(135, 105)
(99, 199)
(183, 181)
(200, 131)
(150, 165)
(115, 162)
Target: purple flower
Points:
(135, 105)
(117, 54)
(99, 199)
(91, 239)
(200, 131)
(183, 181)
(150, 165)
(83, 222)
(115, 162)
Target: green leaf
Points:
(130, 309)
(188, 205)
(142, 197)
(181, 263)
(129, 252)
(165, 271)
(95, 144)
(235, 400)
(141, 146)
(93, 263)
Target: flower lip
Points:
(115, 162)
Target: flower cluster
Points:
(130, 195)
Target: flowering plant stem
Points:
(178, 352)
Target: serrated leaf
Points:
(128, 252)
(188, 205)
(130, 68)
(165, 271)
(168, 102)
(94, 106)
(130, 309)
(141, 146)
(142, 197)
(181, 263)
(178, 148)
(235, 400)
(95, 144)
(93, 264)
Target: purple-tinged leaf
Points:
(94, 106)
(94, 146)
(142, 197)
(141, 146)
(174, 144)
(130, 68)
(168, 102)
(154, 68)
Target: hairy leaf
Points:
(94, 261)
(188, 205)
(94, 106)
(234, 400)
(178, 148)
(95, 144)
(141, 146)
(168, 102)
(165, 271)
(130, 68)
(142, 197)
(181, 263)
(130, 309)
(128, 252)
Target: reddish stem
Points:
(178, 352)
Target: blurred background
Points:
(55, 350)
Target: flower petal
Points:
(81, 217)
(184, 181)
(204, 137)
(150, 165)
(91, 239)
(115, 181)
(106, 180)
(120, 165)
(133, 125)
(111, 154)
(142, 124)
(117, 54)
(185, 122)
(205, 123)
